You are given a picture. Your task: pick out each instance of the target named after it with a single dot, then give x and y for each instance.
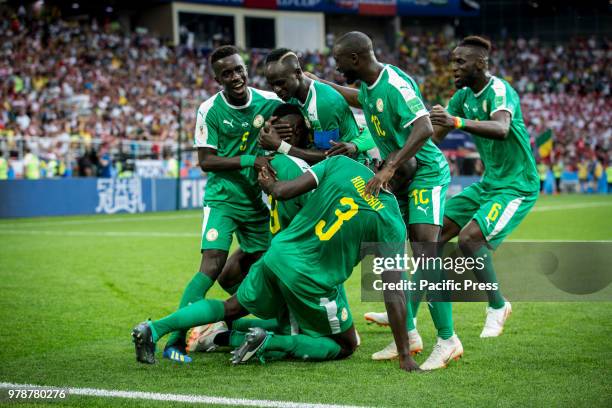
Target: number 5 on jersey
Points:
(342, 216)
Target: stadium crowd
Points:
(66, 83)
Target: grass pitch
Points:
(72, 288)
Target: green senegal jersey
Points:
(233, 131)
(508, 163)
(329, 117)
(282, 212)
(391, 105)
(321, 246)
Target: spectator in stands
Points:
(31, 165)
(4, 166)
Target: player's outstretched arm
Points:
(497, 128)
(272, 136)
(350, 94)
(285, 190)
(421, 131)
(395, 303)
(210, 161)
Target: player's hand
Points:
(266, 179)
(269, 138)
(344, 148)
(440, 117)
(263, 162)
(408, 364)
(311, 76)
(380, 180)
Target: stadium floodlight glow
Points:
(75, 6)
(108, 9)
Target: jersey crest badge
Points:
(212, 235)
(380, 105)
(258, 121)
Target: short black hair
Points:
(286, 109)
(222, 52)
(276, 54)
(476, 41)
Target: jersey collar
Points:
(246, 105)
(485, 87)
(382, 72)
(311, 91)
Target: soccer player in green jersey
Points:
(227, 128)
(329, 116)
(487, 211)
(398, 120)
(286, 167)
(304, 268)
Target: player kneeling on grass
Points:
(302, 271)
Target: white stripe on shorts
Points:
(205, 220)
(332, 311)
(435, 197)
(505, 217)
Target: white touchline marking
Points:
(103, 220)
(150, 234)
(570, 206)
(193, 399)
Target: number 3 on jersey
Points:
(274, 218)
(243, 141)
(342, 216)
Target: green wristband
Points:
(247, 160)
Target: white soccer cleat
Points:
(443, 352)
(494, 324)
(201, 337)
(390, 351)
(380, 319)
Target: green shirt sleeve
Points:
(364, 141)
(501, 98)
(206, 131)
(408, 106)
(318, 170)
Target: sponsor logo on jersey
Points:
(415, 105)
(344, 314)
(230, 123)
(380, 105)
(212, 235)
(258, 121)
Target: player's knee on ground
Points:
(212, 262)
(347, 341)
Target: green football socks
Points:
(488, 275)
(195, 290)
(196, 314)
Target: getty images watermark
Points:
(525, 271)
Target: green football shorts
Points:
(220, 222)
(424, 205)
(264, 295)
(497, 212)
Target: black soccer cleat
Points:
(253, 344)
(143, 343)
